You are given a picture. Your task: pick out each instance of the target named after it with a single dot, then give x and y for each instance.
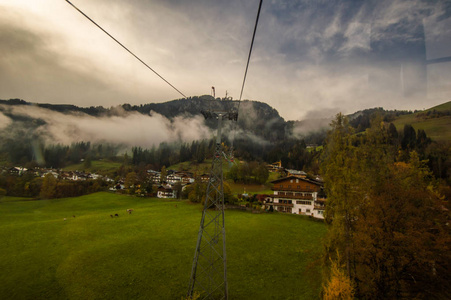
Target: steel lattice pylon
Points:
(209, 270)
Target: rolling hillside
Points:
(435, 121)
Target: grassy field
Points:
(104, 167)
(442, 107)
(199, 168)
(438, 129)
(239, 188)
(191, 166)
(148, 254)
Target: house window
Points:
(291, 180)
(303, 202)
(297, 181)
(307, 210)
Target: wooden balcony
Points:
(309, 197)
(283, 204)
(292, 189)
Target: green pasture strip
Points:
(148, 254)
(199, 168)
(442, 107)
(191, 166)
(438, 129)
(97, 166)
(12, 199)
(239, 188)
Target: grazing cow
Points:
(111, 216)
(73, 216)
(64, 219)
(116, 215)
(129, 210)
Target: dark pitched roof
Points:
(299, 178)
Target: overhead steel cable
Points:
(245, 74)
(125, 48)
(250, 50)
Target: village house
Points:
(274, 167)
(53, 172)
(17, 170)
(154, 176)
(185, 177)
(300, 174)
(204, 177)
(298, 195)
(166, 191)
(173, 179)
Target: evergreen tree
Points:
(339, 172)
(409, 138)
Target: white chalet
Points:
(297, 195)
(166, 191)
(173, 179)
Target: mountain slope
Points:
(436, 121)
(257, 118)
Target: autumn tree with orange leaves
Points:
(387, 227)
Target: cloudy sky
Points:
(312, 58)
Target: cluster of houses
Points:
(295, 193)
(167, 188)
(57, 173)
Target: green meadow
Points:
(148, 254)
(240, 188)
(105, 167)
(438, 129)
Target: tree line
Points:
(48, 187)
(388, 231)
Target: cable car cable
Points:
(125, 48)
(244, 79)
